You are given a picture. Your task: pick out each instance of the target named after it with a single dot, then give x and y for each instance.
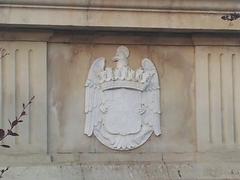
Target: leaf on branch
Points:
(10, 122)
(23, 106)
(23, 113)
(5, 146)
(32, 98)
(2, 133)
(12, 133)
(14, 123)
(2, 171)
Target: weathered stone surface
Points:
(66, 113)
(165, 4)
(217, 97)
(23, 74)
(176, 148)
(198, 74)
(119, 171)
(114, 18)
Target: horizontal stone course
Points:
(140, 171)
(206, 5)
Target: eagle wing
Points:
(151, 96)
(93, 96)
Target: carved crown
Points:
(123, 77)
(122, 84)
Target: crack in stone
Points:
(165, 165)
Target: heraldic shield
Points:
(122, 105)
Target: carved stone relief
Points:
(122, 105)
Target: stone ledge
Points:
(138, 171)
(227, 5)
(118, 158)
(105, 18)
(127, 38)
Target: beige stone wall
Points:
(217, 97)
(183, 150)
(23, 74)
(199, 103)
(52, 45)
(68, 65)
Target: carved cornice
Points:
(203, 5)
(119, 18)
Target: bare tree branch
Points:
(9, 132)
(3, 53)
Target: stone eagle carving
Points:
(122, 105)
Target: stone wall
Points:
(199, 104)
(51, 48)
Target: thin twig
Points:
(4, 134)
(18, 119)
(3, 53)
(3, 171)
(10, 132)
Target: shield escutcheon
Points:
(122, 105)
(122, 116)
